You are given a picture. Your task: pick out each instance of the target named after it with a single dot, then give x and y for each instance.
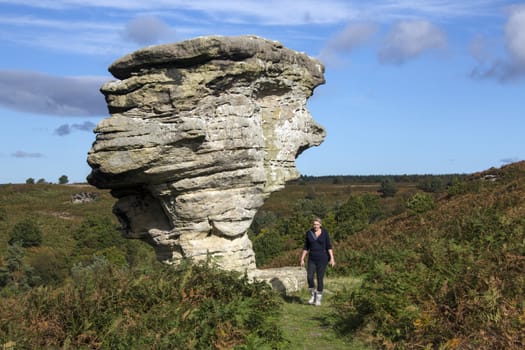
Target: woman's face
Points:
(317, 224)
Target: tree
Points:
(63, 180)
(268, 244)
(263, 219)
(26, 233)
(356, 214)
(431, 184)
(41, 181)
(30, 181)
(388, 188)
(338, 180)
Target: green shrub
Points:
(456, 187)
(459, 186)
(420, 203)
(49, 266)
(267, 245)
(96, 234)
(17, 275)
(100, 236)
(461, 282)
(384, 304)
(105, 307)
(114, 255)
(26, 233)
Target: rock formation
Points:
(200, 133)
(84, 197)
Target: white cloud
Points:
(409, 39)
(515, 35)
(270, 12)
(479, 49)
(66, 129)
(344, 42)
(81, 36)
(23, 154)
(33, 21)
(102, 34)
(511, 67)
(285, 12)
(446, 9)
(148, 30)
(353, 35)
(44, 94)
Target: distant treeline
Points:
(361, 179)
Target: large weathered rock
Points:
(200, 133)
(285, 280)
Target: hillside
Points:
(438, 270)
(447, 277)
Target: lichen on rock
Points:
(200, 133)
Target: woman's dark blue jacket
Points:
(317, 248)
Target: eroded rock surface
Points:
(285, 280)
(200, 133)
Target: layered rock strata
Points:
(200, 133)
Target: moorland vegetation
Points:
(440, 262)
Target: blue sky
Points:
(412, 87)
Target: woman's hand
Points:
(332, 262)
(303, 255)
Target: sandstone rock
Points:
(84, 197)
(200, 133)
(286, 280)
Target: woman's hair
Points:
(318, 220)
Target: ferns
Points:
(107, 307)
(447, 278)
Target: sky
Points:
(412, 86)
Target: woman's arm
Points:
(303, 255)
(306, 248)
(332, 260)
(330, 250)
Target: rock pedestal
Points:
(200, 133)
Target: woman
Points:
(320, 254)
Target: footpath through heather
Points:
(310, 327)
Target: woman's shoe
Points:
(319, 297)
(312, 297)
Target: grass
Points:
(50, 206)
(310, 327)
